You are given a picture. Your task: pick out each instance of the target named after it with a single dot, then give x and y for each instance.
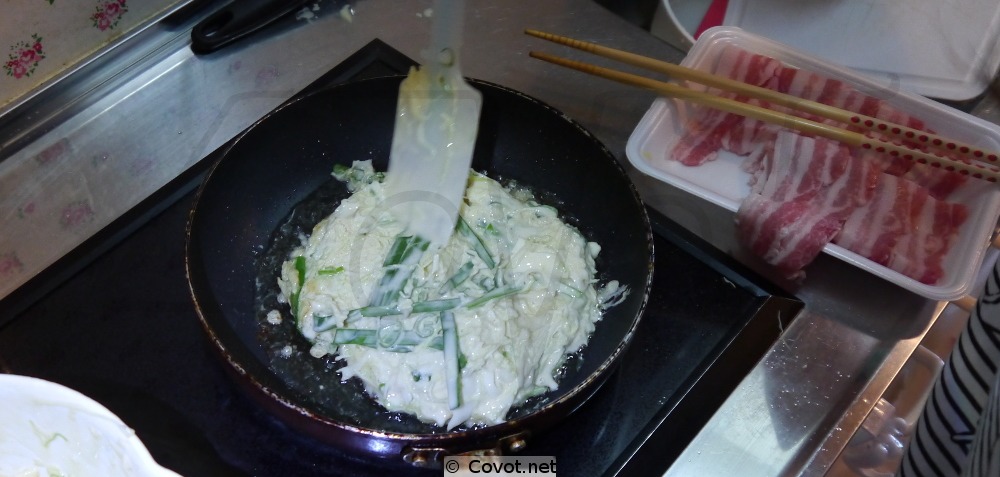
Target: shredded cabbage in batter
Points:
(459, 335)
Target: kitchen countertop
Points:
(70, 178)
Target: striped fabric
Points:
(984, 460)
(958, 432)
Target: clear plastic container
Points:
(724, 183)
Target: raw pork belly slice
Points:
(709, 130)
(807, 191)
(747, 67)
(921, 254)
(938, 182)
(873, 230)
(904, 228)
(788, 235)
(702, 138)
(804, 190)
(714, 130)
(805, 168)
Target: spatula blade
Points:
(437, 119)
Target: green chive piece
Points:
(353, 316)
(567, 289)
(330, 271)
(399, 263)
(436, 305)
(355, 336)
(493, 294)
(452, 370)
(323, 323)
(458, 278)
(293, 301)
(395, 254)
(410, 339)
(341, 172)
(407, 342)
(477, 244)
(437, 343)
(375, 311)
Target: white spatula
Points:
(437, 117)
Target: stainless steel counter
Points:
(791, 416)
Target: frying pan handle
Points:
(238, 19)
(433, 457)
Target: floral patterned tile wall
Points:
(39, 39)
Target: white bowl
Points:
(49, 429)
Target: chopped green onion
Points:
(341, 172)
(411, 340)
(356, 175)
(477, 244)
(300, 267)
(395, 253)
(330, 271)
(419, 294)
(52, 439)
(436, 305)
(399, 262)
(485, 280)
(293, 301)
(375, 311)
(437, 343)
(458, 278)
(355, 336)
(323, 323)
(389, 333)
(451, 365)
(404, 249)
(406, 343)
(493, 294)
(498, 278)
(43, 436)
(353, 316)
(567, 289)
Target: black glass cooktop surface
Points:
(115, 321)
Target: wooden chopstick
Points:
(861, 121)
(966, 303)
(976, 169)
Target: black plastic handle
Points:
(237, 20)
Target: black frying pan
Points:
(240, 230)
